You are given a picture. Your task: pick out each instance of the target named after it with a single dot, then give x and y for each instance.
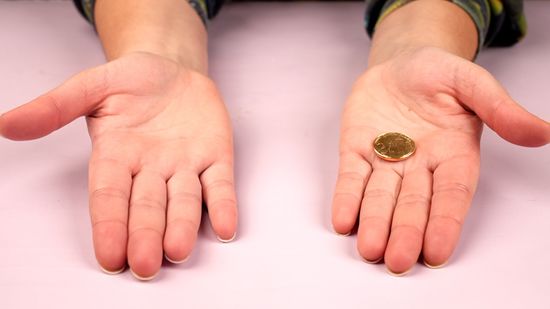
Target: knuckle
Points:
(343, 195)
(413, 200)
(370, 220)
(379, 194)
(448, 219)
(101, 222)
(410, 228)
(148, 203)
(185, 197)
(219, 184)
(454, 188)
(353, 177)
(56, 106)
(109, 192)
(184, 222)
(145, 229)
(225, 203)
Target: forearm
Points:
(169, 28)
(424, 23)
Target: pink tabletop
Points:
(284, 70)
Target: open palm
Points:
(419, 204)
(161, 143)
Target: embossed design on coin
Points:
(394, 146)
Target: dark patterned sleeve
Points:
(498, 22)
(206, 9)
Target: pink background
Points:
(284, 71)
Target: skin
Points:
(420, 82)
(162, 141)
(161, 136)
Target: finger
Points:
(481, 92)
(78, 96)
(454, 184)
(183, 215)
(350, 186)
(146, 223)
(376, 213)
(219, 194)
(109, 186)
(409, 221)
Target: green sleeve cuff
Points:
(206, 9)
(498, 22)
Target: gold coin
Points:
(394, 146)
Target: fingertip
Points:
(112, 272)
(403, 250)
(399, 265)
(398, 274)
(177, 254)
(110, 247)
(144, 278)
(435, 259)
(179, 240)
(372, 239)
(177, 261)
(372, 261)
(341, 232)
(434, 266)
(342, 221)
(224, 222)
(372, 251)
(341, 229)
(30, 121)
(145, 268)
(519, 126)
(226, 240)
(371, 245)
(4, 128)
(145, 254)
(439, 244)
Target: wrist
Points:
(170, 29)
(424, 24)
(187, 61)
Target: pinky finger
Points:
(219, 195)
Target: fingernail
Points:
(112, 272)
(143, 278)
(398, 274)
(372, 261)
(177, 262)
(434, 266)
(227, 240)
(341, 234)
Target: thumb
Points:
(79, 96)
(480, 91)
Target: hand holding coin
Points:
(408, 202)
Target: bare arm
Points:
(168, 28)
(424, 23)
